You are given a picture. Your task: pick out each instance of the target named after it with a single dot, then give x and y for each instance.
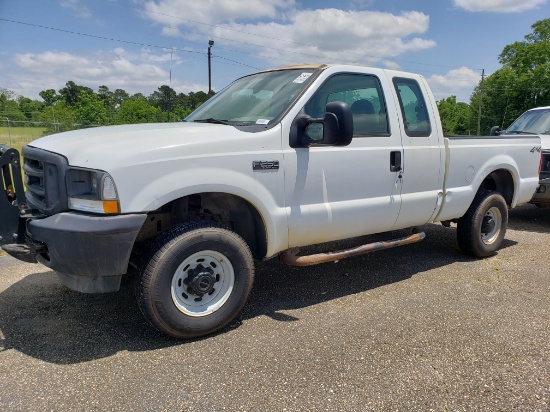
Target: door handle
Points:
(395, 161)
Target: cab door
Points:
(335, 192)
(423, 153)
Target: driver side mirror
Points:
(335, 128)
(495, 131)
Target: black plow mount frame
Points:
(12, 197)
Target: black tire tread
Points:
(468, 233)
(158, 248)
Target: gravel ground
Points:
(421, 328)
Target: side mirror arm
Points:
(495, 131)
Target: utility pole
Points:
(210, 44)
(170, 84)
(55, 128)
(479, 105)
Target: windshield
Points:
(257, 99)
(532, 121)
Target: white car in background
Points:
(536, 121)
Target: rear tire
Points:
(481, 230)
(195, 280)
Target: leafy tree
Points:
(62, 115)
(163, 98)
(119, 96)
(31, 109)
(9, 108)
(50, 97)
(454, 116)
(109, 102)
(522, 83)
(180, 113)
(79, 104)
(89, 109)
(72, 92)
(196, 99)
(528, 55)
(135, 111)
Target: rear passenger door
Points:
(424, 156)
(338, 192)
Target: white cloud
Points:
(458, 82)
(77, 8)
(337, 36)
(285, 35)
(142, 71)
(388, 64)
(499, 6)
(213, 11)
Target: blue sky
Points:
(139, 45)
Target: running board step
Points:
(290, 256)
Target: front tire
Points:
(195, 280)
(481, 230)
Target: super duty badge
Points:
(265, 164)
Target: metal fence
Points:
(20, 132)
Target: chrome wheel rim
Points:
(202, 283)
(491, 226)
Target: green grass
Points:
(17, 137)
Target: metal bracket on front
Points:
(12, 227)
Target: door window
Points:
(413, 107)
(365, 97)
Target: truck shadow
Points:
(287, 288)
(530, 218)
(44, 320)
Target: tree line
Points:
(523, 82)
(77, 106)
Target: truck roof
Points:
(324, 66)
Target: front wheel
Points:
(481, 230)
(195, 280)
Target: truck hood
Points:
(107, 147)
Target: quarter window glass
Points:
(413, 107)
(363, 94)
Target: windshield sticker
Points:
(262, 121)
(302, 78)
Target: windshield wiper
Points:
(517, 132)
(212, 120)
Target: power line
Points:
(236, 62)
(129, 42)
(100, 37)
(224, 48)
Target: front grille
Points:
(45, 180)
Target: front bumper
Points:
(542, 195)
(86, 245)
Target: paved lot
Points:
(421, 327)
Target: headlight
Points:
(92, 191)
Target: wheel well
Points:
(232, 211)
(500, 181)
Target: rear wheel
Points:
(195, 280)
(481, 230)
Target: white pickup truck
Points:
(277, 160)
(535, 121)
